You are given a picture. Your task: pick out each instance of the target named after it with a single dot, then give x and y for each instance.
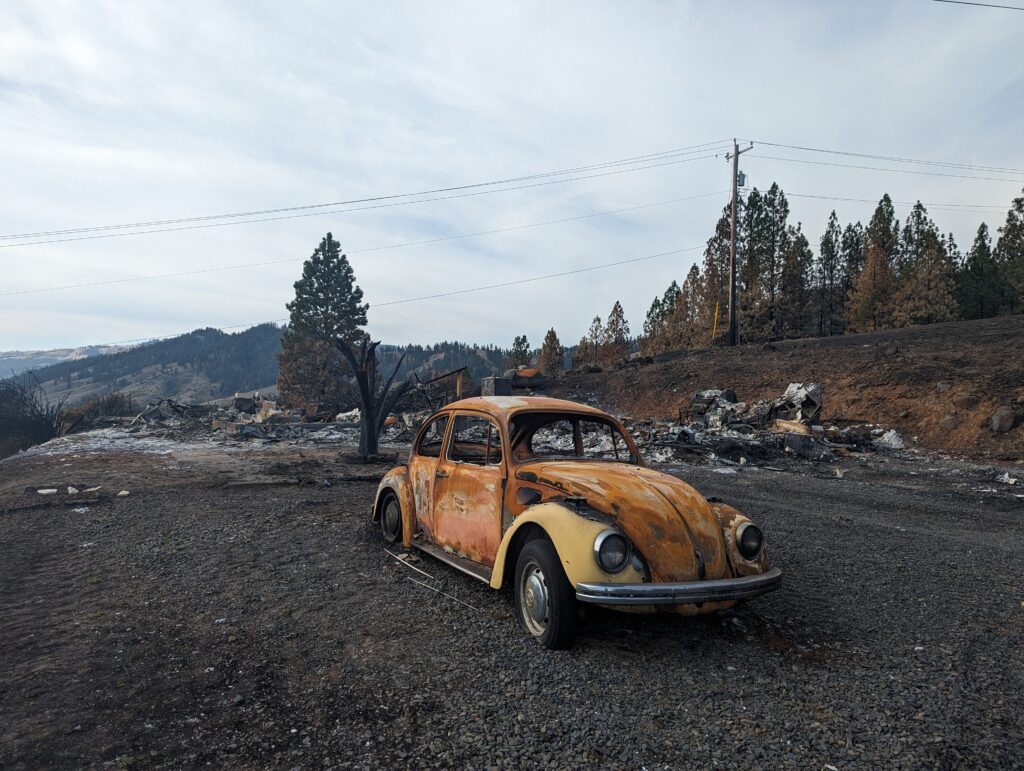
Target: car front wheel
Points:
(544, 598)
(391, 519)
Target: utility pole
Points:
(734, 156)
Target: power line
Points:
(422, 242)
(690, 150)
(982, 5)
(440, 239)
(354, 209)
(536, 278)
(953, 206)
(880, 168)
(451, 293)
(896, 159)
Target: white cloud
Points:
(112, 113)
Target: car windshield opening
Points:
(539, 435)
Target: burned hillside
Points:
(956, 387)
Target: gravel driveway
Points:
(251, 626)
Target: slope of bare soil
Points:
(892, 378)
(238, 610)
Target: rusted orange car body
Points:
(488, 476)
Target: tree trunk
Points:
(373, 407)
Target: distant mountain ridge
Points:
(16, 362)
(210, 364)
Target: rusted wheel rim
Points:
(533, 599)
(391, 520)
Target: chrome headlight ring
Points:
(749, 541)
(612, 551)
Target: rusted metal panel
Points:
(397, 481)
(666, 519)
(573, 536)
(730, 520)
(468, 492)
(467, 511)
(504, 407)
(422, 473)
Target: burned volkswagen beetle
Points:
(553, 498)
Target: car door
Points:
(423, 467)
(468, 489)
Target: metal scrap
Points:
(723, 429)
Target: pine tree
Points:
(952, 250)
(794, 299)
(981, 289)
(615, 344)
(328, 303)
(918, 237)
(653, 340)
(680, 326)
(884, 229)
(583, 353)
(869, 306)
(709, 289)
(669, 298)
(829, 279)
(519, 354)
(551, 354)
(595, 335)
(588, 350)
(693, 324)
(1009, 255)
(852, 251)
(653, 327)
(765, 248)
(329, 306)
(926, 292)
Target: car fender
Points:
(397, 482)
(573, 535)
(730, 519)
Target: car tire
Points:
(391, 519)
(545, 601)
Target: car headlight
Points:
(749, 540)
(611, 551)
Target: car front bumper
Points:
(683, 593)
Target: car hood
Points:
(666, 519)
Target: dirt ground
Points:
(237, 609)
(891, 378)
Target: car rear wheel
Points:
(544, 597)
(391, 519)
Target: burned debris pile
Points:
(249, 417)
(713, 427)
(719, 428)
(165, 413)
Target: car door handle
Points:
(441, 474)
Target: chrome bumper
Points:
(684, 593)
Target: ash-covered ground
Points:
(236, 608)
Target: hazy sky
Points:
(125, 112)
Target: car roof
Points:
(505, 406)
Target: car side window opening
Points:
(602, 440)
(475, 440)
(433, 437)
